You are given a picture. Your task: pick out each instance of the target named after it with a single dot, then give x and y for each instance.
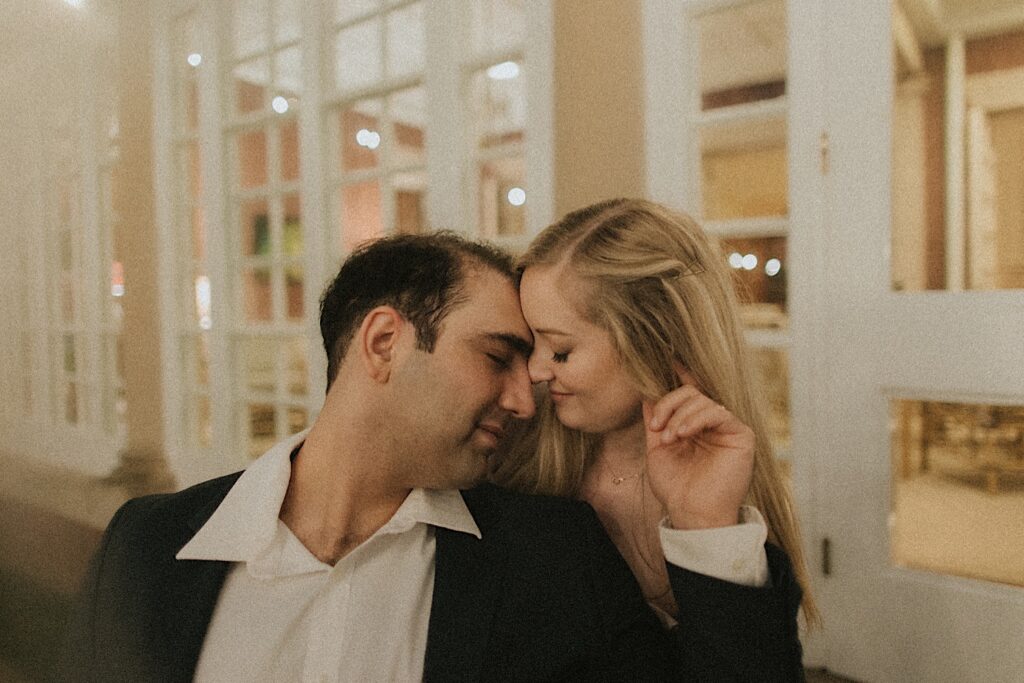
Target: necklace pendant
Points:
(618, 480)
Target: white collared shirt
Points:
(283, 615)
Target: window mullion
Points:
(214, 105)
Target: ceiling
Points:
(934, 21)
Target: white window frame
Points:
(447, 167)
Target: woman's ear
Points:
(377, 341)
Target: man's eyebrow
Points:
(513, 341)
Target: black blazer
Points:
(544, 595)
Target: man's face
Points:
(455, 403)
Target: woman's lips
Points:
(558, 396)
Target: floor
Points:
(946, 520)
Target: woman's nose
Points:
(539, 370)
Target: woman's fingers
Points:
(667, 405)
(693, 417)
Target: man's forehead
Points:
(491, 308)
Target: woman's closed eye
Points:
(560, 357)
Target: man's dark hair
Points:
(420, 276)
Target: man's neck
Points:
(338, 497)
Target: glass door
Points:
(920, 481)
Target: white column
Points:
(955, 112)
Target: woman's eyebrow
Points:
(552, 331)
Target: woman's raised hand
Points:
(700, 458)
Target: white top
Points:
(283, 615)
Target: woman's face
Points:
(589, 387)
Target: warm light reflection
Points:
(772, 267)
(203, 302)
(116, 279)
(279, 104)
(517, 196)
(195, 59)
(504, 71)
(368, 138)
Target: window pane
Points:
(287, 77)
(256, 288)
(252, 159)
(287, 20)
(203, 421)
(71, 403)
(293, 237)
(255, 225)
(258, 356)
(361, 217)
(298, 419)
(248, 24)
(198, 233)
(67, 299)
(358, 56)
(958, 489)
(502, 197)
(191, 102)
(760, 267)
(200, 360)
(743, 54)
(261, 418)
(773, 370)
(298, 367)
(69, 354)
(959, 228)
(405, 41)
(499, 104)
(249, 85)
(346, 10)
(193, 170)
(744, 171)
(410, 193)
(497, 25)
(360, 135)
(408, 112)
(294, 279)
(65, 247)
(289, 136)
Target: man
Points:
(347, 553)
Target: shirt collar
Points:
(246, 522)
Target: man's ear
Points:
(378, 339)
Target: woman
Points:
(652, 407)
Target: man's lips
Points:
(497, 430)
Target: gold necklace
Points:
(616, 479)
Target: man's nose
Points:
(538, 368)
(517, 398)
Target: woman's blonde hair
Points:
(661, 289)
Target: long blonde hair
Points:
(661, 289)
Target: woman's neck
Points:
(623, 446)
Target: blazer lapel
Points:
(468, 578)
(190, 595)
